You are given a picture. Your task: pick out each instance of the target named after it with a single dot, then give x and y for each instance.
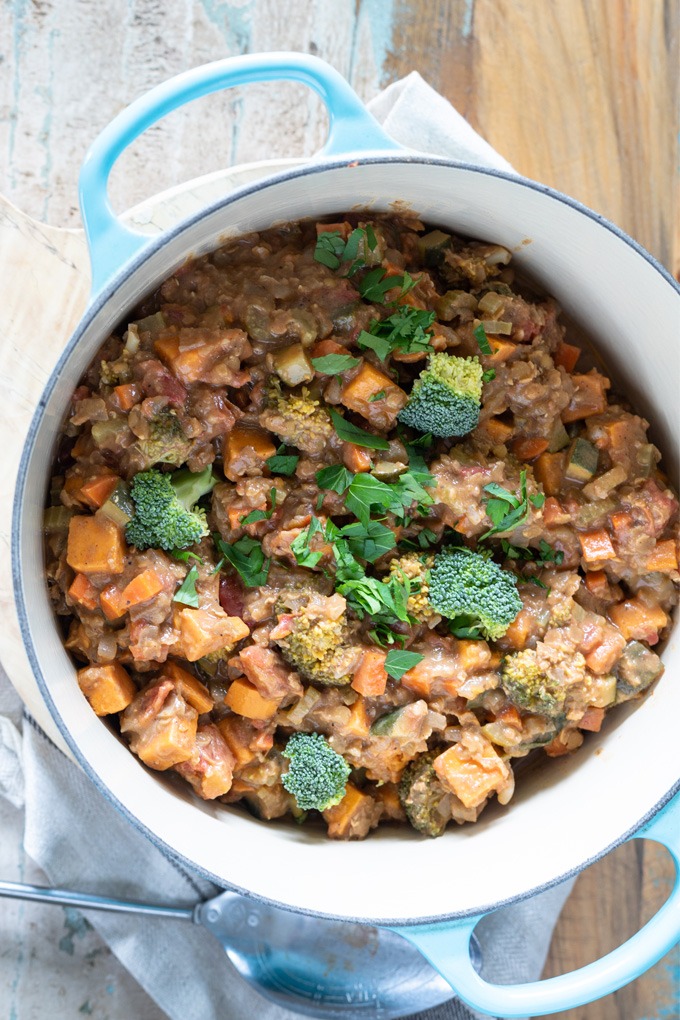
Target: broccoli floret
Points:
(297, 418)
(528, 686)
(315, 646)
(166, 442)
(474, 592)
(446, 397)
(416, 568)
(421, 795)
(317, 775)
(166, 516)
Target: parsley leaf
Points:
(184, 555)
(335, 477)
(507, 510)
(330, 249)
(364, 493)
(489, 375)
(334, 364)
(300, 546)
(380, 395)
(376, 284)
(353, 434)
(482, 339)
(186, 593)
(283, 463)
(368, 541)
(261, 515)
(404, 330)
(399, 662)
(247, 558)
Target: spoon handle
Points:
(17, 891)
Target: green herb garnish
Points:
(489, 375)
(186, 593)
(399, 662)
(261, 515)
(283, 463)
(482, 339)
(335, 477)
(380, 395)
(247, 558)
(507, 510)
(350, 433)
(404, 330)
(334, 364)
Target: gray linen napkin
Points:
(80, 841)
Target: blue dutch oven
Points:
(621, 785)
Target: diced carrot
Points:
(327, 346)
(141, 588)
(167, 348)
(357, 724)
(592, 719)
(497, 430)
(111, 602)
(590, 397)
(597, 584)
(108, 688)
(95, 545)
(549, 472)
(357, 393)
(621, 522)
(84, 592)
(517, 634)
(566, 356)
(244, 699)
(663, 557)
(356, 458)
(339, 817)
(553, 513)
(344, 229)
(127, 395)
(239, 439)
(370, 679)
(95, 491)
(192, 690)
(501, 350)
(596, 545)
(509, 716)
(528, 447)
(638, 621)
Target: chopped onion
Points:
(496, 326)
(132, 339)
(497, 255)
(107, 647)
(491, 303)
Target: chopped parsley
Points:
(336, 477)
(489, 375)
(334, 364)
(380, 395)
(482, 339)
(186, 593)
(506, 509)
(404, 331)
(353, 434)
(399, 662)
(283, 463)
(332, 250)
(247, 558)
(261, 515)
(376, 284)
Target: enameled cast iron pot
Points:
(620, 785)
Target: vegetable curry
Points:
(343, 526)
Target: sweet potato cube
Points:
(471, 773)
(498, 431)
(368, 382)
(638, 621)
(192, 690)
(246, 743)
(95, 545)
(549, 472)
(108, 688)
(356, 458)
(566, 356)
(203, 631)
(358, 723)
(664, 557)
(370, 678)
(596, 545)
(245, 450)
(209, 770)
(501, 350)
(244, 699)
(111, 602)
(160, 725)
(339, 817)
(590, 397)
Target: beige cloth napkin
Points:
(80, 841)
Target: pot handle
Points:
(447, 947)
(352, 129)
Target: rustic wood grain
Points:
(580, 94)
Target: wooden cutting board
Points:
(46, 281)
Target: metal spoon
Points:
(325, 969)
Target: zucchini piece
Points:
(636, 670)
(432, 246)
(582, 460)
(403, 722)
(292, 365)
(119, 506)
(558, 438)
(57, 518)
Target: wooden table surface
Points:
(579, 94)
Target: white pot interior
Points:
(565, 813)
